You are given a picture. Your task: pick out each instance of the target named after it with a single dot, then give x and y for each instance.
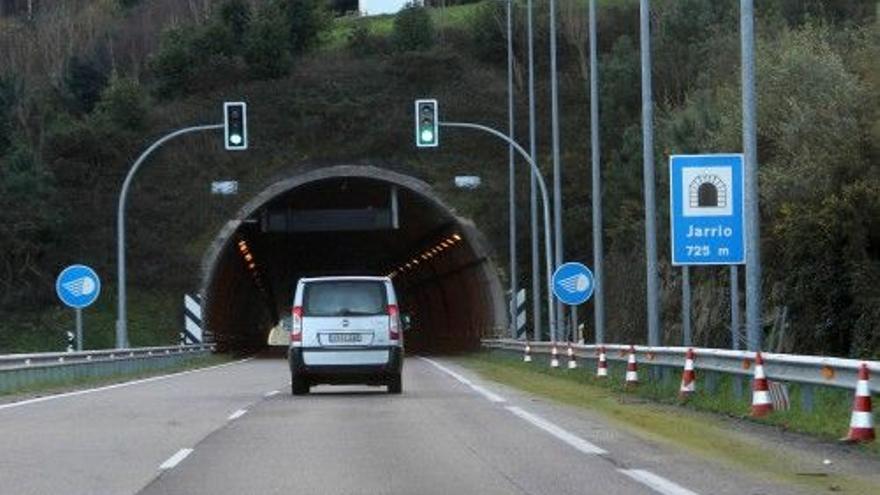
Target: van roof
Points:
(332, 278)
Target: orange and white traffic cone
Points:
(527, 357)
(861, 424)
(602, 370)
(554, 357)
(761, 404)
(688, 378)
(632, 369)
(572, 361)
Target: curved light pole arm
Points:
(551, 308)
(121, 321)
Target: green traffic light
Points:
(235, 139)
(427, 135)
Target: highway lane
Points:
(223, 431)
(449, 433)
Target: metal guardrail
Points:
(15, 361)
(20, 371)
(812, 370)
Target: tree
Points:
(84, 80)
(306, 19)
(266, 51)
(236, 15)
(413, 29)
(123, 103)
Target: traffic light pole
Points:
(551, 310)
(121, 318)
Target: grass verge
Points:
(681, 427)
(67, 385)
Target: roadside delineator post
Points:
(554, 357)
(761, 404)
(632, 369)
(688, 377)
(861, 424)
(602, 370)
(572, 361)
(527, 357)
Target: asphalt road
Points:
(237, 430)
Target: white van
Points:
(345, 330)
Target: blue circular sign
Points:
(573, 283)
(78, 286)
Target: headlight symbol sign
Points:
(78, 286)
(573, 283)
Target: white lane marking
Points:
(115, 386)
(657, 483)
(237, 414)
(569, 438)
(270, 394)
(493, 397)
(175, 459)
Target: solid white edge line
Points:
(237, 414)
(493, 397)
(116, 385)
(571, 439)
(271, 393)
(657, 483)
(175, 459)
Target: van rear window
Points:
(344, 298)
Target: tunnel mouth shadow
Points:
(352, 220)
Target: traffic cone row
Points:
(632, 369)
(761, 404)
(572, 362)
(554, 357)
(602, 370)
(527, 357)
(688, 378)
(861, 424)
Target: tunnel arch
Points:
(454, 297)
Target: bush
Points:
(266, 50)
(123, 104)
(174, 61)
(84, 80)
(363, 43)
(236, 16)
(488, 33)
(413, 29)
(307, 20)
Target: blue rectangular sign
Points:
(707, 209)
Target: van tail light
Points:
(393, 322)
(296, 335)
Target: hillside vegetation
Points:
(86, 84)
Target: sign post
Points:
(707, 218)
(78, 286)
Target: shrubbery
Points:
(413, 29)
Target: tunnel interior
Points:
(352, 221)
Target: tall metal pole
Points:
(648, 173)
(533, 193)
(121, 317)
(557, 167)
(598, 244)
(750, 151)
(686, 335)
(734, 307)
(548, 248)
(512, 171)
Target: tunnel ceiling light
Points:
(408, 265)
(456, 237)
(252, 266)
(248, 256)
(425, 257)
(444, 244)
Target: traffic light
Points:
(235, 125)
(427, 124)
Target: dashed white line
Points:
(114, 386)
(237, 414)
(271, 393)
(493, 397)
(569, 438)
(175, 459)
(657, 483)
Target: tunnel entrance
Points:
(352, 220)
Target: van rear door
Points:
(345, 313)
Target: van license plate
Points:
(344, 338)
